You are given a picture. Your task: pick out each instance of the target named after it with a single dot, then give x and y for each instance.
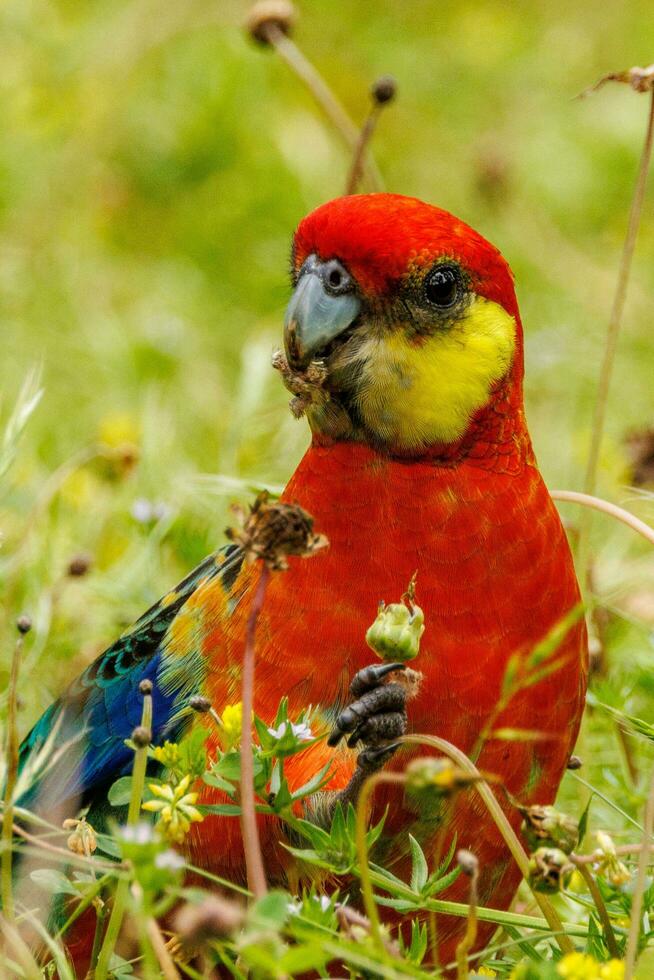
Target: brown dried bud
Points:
(213, 918)
(468, 862)
(273, 531)
(544, 826)
(200, 704)
(141, 737)
(145, 687)
(279, 14)
(23, 624)
(548, 867)
(83, 840)
(79, 564)
(574, 762)
(384, 89)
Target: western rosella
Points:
(420, 461)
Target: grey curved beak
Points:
(315, 317)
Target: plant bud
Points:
(23, 624)
(543, 826)
(141, 736)
(384, 89)
(548, 867)
(396, 632)
(145, 687)
(200, 704)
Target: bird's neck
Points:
(496, 439)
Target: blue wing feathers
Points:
(101, 708)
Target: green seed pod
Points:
(548, 867)
(396, 632)
(543, 826)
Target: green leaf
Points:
(53, 881)
(219, 809)
(419, 869)
(120, 791)
(272, 910)
(314, 784)
(436, 884)
(583, 821)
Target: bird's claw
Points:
(376, 717)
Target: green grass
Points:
(153, 164)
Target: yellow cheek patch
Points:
(415, 394)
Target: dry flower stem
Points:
(251, 843)
(615, 321)
(133, 811)
(598, 503)
(363, 141)
(11, 761)
(639, 889)
(596, 895)
(307, 73)
(466, 944)
(168, 968)
(367, 894)
(503, 825)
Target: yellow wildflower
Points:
(582, 966)
(175, 807)
(232, 725)
(167, 754)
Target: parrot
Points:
(403, 347)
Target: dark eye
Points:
(442, 286)
(335, 277)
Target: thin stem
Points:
(470, 935)
(596, 895)
(503, 825)
(133, 811)
(11, 760)
(311, 78)
(639, 889)
(251, 843)
(100, 918)
(367, 894)
(615, 321)
(168, 968)
(598, 503)
(363, 141)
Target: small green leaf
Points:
(419, 869)
(53, 881)
(120, 791)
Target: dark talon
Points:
(380, 700)
(379, 728)
(370, 677)
(373, 759)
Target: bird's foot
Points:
(376, 718)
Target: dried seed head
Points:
(23, 624)
(83, 839)
(270, 13)
(543, 826)
(468, 862)
(200, 704)
(384, 89)
(213, 918)
(145, 687)
(273, 531)
(574, 762)
(79, 565)
(548, 867)
(141, 736)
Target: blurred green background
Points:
(153, 164)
